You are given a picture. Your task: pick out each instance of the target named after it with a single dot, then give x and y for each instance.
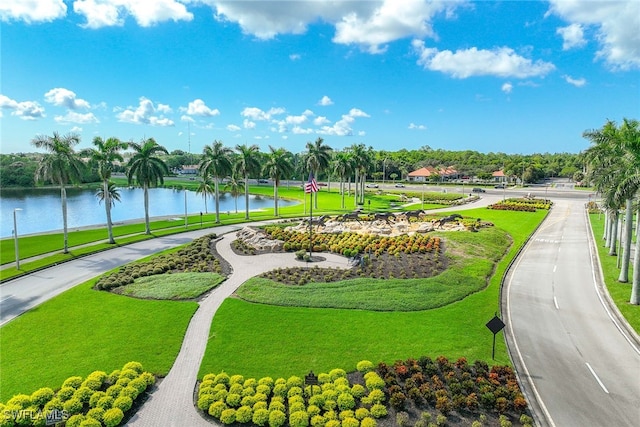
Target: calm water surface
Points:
(42, 208)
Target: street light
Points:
(423, 185)
(384, 170)
(15, 238)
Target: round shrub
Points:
(346, 401)
(277, 418)
(376, 396)
(228, 416)
(297, 407)
(74, 382)
(250, 382)
(280, 390)
(268, 381)
(330, 395)
(41, 396)
(90, 422)
(260, 397)
(123, 402)
(247, 401)
(362, 413)
(260, 417)
(216, 408)
(378, 411)
(236, 388)
(324, 378)
(263, 388)
(341, 381)
(149, 378)
(236, 379)
(65, 393)
(72, 406)
(299, 419)
(368, 422)
(259, 405)
(317, 400)
(95, 380)
(95, 397)
(221, 395)
(337, 373)
(204, 401)
(295, 381)
(54, 403)
(139, 384)
(222, 378)
(83, 394)
(374, 382)
(209, 377)
(276, 406)
(113, 376)
(112, 417)
(318, 421)
(105, 402)
(96, 414)
(114, 390)
(348, 413)
(244, 414)
(74, 420)
(330, 405)
(233, 400)
(364, 366)
(313, 410)
(129, 373)
(248, 391)
(358, 391)
(350, 422)
(129, 392)
(134, 366)
(123, 381)
(294, 391)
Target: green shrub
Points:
(149, 378)
(139, 384)
(222, 378)
(476, 424)
(280, 390)
(346, 401)
(368, 422)
(364, 366)
(83, 394)
(378, 410)
(324, 378)
(263, 388)
(276, 406)
(113, 376)
(347, 413)
(248, 391)
(374, 382)
(260, 417)
(297, 407)
(268, 381)
(204, 401)
(299, 419)
(95, 397)
(65, 393)
(41, 396)
(317, 400)
(209, 377)
(358, 391)
(129, 373)
(236, 388)
(295, 381)
(72, 406)
(362, 413)
(123, 402)
(277, 418)
(112, 417)
(525, 419)
(228, 416)
(105, 402)
(260, 405)
(248, 401)
(129, 392)
(441, 420)
(114, 390)
(333, 423)
(504, 421)
(96, 413)
(337, 373)
(260, 397)
(244, 414)
(350, 422)
(233, 400)
(54, 403)
(74, 420)
(376, 396)
(313, 410)
(90, 422)
(95, 380)
(216, 408)
(294, 391)
(318, 421)
(74, 382)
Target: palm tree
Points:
(362, 161)
(278, 165)
(104, 155)
(343, 167)
(147, 169)
(247, 164)
(61, 166)
(216, 163)
(318, 157)
(235, 187)
(110, 194)
(205, 188)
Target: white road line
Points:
(597, 378)
(555, 302)
(554, 268)
(6, 298)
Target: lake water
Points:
(42, 208)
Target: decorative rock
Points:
(259, 240)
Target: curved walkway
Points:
(172, 404)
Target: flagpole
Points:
(310, 224)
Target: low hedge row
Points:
(522, 205)
(98, 400)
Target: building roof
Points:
(498, 174)
(429, 171)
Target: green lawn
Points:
(259, 340)
(83, 330)
(620, 292)
(172, 286)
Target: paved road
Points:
(579, 365)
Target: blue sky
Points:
(513, 77)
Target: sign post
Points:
(495, 325)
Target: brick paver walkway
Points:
(172, 404)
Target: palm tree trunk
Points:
(626, 248)
(355, 193)
(609, 227)
(246, 196)
(342, 191)
(605, 234)
(107, 207)
(217, 196)
(275, 197)
(635, 284)
(147, 228)
(63, 198)
(613, 241)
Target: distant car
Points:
(478, 190)
(399, 185)
(500, 186)
(322, 184)
(372, 185)
(263, 181)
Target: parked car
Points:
(372, 185)
(263, 181)
(399, 185)
(500, 186)
(478, 190)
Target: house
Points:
(189, 170)
(429, 173)
(499, 176)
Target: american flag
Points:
(311, 186)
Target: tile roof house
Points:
(426, 173)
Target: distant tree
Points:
(247, 164)
(61, 166)
(235, 186)
(217, 164)
(318, 157)
(205, 188)
(147, 169)
(278, 165)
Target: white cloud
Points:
(502, 62)
(572, 35)
(507, 87)
(233, 128)
(414, 126)
(186, 118)
(26, 110)
(294, 56)
(320, 120)
(343, 127)
(145, 113)
(104, 13)
(76, 129)
(356, 112)
(197, 107)
(325, 101)
(32, 10)
(255, 113)
(616, 24)
(164, 108)
(248, 124)
(576, 82)
(61, 97)
(301, 131)
(75, 117)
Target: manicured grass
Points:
(472, 257)
(172, 286)
(83, 330)
(259, 340)
(620, 292)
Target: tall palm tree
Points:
(235, 186)
(104, 155)
(216, 163)
(110, 194)
(318, 157)
(278, 165)
(147, 169)
(206, 189)
(61, 166)
(343, 167)
(247, 164)
(362, 161)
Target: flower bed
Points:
(522, 205)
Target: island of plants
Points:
(522, 204)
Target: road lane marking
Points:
(597, 378)
(555, 302)
(6, 298)
(554, 268)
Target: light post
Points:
(186, 221)
(384, 170)
(15, 237)
(423, 185)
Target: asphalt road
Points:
(576, 361)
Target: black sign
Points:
(311, 379)
(495, 325)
